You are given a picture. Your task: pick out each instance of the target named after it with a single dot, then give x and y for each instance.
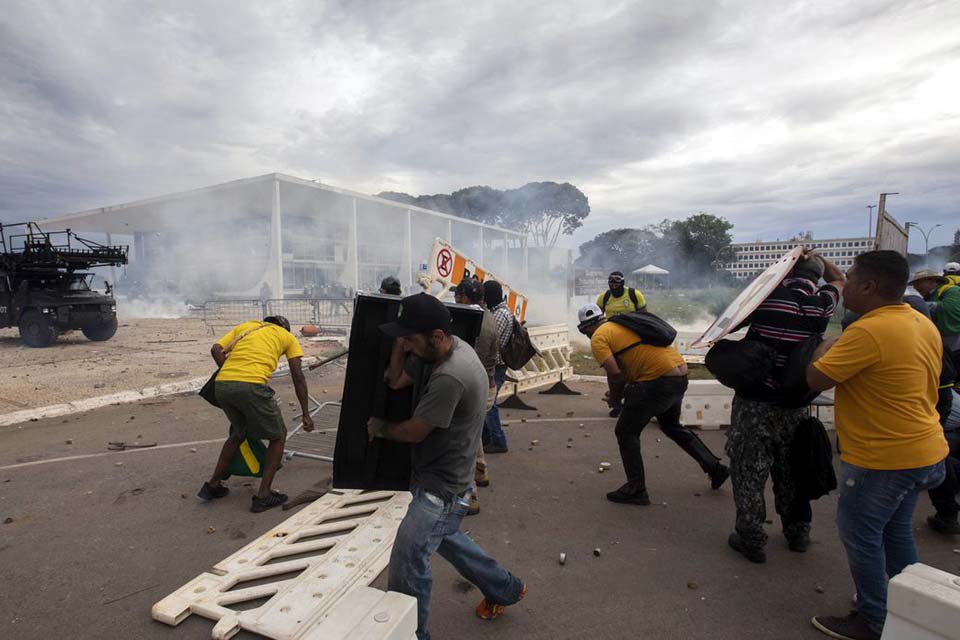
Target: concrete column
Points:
(506, 256)
(450, 231)
(408, 248)
(355, 247)
(480, 257)
(276, 244)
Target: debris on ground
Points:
(819, 589)
(8, 521)
(605, 465)
(118, 464)
(211, 530)
(563, 558)
(123, 446)
(193, 450)
(596, 552)
(693, 586)
(534, 442)
(569, 414)
(69, 441)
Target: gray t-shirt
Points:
(453, 403)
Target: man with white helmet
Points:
(951, 271)
(657, 379)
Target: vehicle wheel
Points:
(36, 330)
(102, 331)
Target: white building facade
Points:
(753, 258)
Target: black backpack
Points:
(630, 292)
(519, 348)
(794, 391)
(651, 329)
(742, 365)
(811, 457)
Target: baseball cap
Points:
(418, 313)
(588, 314)
(471, 289)
(951, 267)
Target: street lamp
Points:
(926, 237)
(870, 208)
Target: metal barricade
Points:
(334, 315)
(320, 443)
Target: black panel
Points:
(357, 463)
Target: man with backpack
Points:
(618, 298)
(494, 439)
(649, 381)
(763, 425)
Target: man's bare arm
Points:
(615, 381)
(300, 387)
(397, 378)
(218, 355)
(411, 431)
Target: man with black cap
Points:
(445, 433)
(390, 286)
(247, 356)
(494, 439)
(762, 428)
(470, 291)
(620, 299)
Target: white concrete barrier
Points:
(923, 603)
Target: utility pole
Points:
(870, 208)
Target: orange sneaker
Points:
(489, 611)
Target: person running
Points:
(618, 298)
(494, 439)
(659, 376)
(445, 433)
(886, 368)
(247, 356)
(763, 427)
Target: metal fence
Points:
(328, 314)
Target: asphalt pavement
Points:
(91, 538)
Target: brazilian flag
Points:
(249, 458)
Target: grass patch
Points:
(687, 306)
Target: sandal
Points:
(275, 499)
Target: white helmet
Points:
(951, 268)
(588, 314)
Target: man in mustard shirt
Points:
(886, 368)
(657, 380)
(619, 298)
(247, 356)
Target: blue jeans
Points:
(431, 524)
(875, 520)
(492, 429)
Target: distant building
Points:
(752, 258)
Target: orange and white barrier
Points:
(448, 266)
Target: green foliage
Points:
(542, 209)
(689, 249)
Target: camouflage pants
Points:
(758, 445)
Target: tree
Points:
(703, 240)
(544, 210)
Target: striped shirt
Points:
(795, 310)
(504, 326)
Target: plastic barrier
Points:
(340, 542)
(550, 367)
(923, 603)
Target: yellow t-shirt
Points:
(621, 303)
(641, 363)
(254, 358)
(887, 366)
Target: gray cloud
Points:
(781, 120)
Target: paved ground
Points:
(93, 543)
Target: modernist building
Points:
(753, 258)
(282, 234)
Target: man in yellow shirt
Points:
(886, 368)
(620, 299)
(655, 379)
(247, 356)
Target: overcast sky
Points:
(781, 116)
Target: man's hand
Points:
(376, 428)
(307, 423)
(615, 410)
